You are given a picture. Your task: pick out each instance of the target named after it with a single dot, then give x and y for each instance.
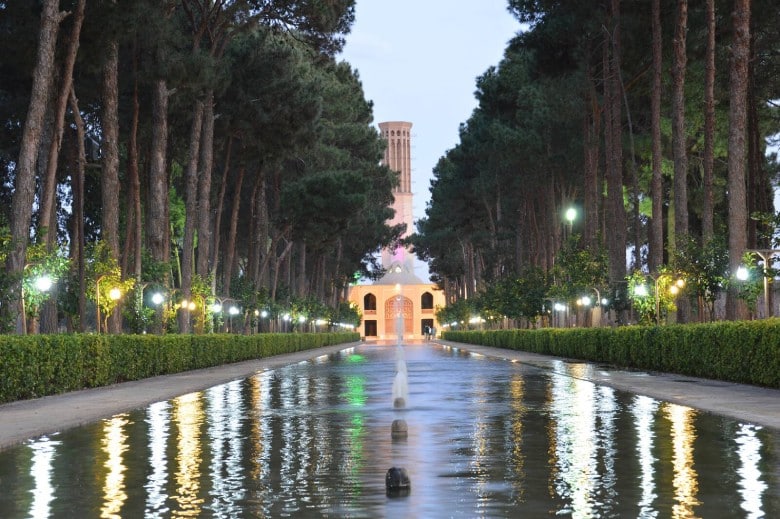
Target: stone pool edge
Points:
(753, 404)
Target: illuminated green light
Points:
(356, 391)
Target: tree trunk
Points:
(657, 195)
(678, 126)
(134, 185)
(737, 215)
(709, 126)
(47, 223)
(282, 258)
(592, 132)
(78, 200)
(24, 173)
(230, 248)
(157, 207)
(301, 284)
(263, 235)
(217, 226)
(48, 202)
(679, 141)
(760, 195)
(204, 187)
(190, 213)
(616, 213)
(110, 178)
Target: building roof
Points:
(399, 273)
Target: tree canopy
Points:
(565, 120)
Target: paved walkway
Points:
(742, 402)
(26, 419)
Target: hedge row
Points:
(37, 365)
(747, 352)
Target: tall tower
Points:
(398, 157)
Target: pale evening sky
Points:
(418, 61)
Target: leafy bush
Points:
(38, 365)
(746, 352)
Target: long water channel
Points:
(486, 438)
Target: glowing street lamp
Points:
(674, 289)
(114, 294)
(233, 311)
(571, 215)
(766, 255)
(42, 284)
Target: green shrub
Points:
(746, 352)
(38, 365)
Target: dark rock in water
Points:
(397, 482)
(399, 429)
(399, 402)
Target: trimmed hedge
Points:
(746, 352)
(38, 365)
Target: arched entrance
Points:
(399, 306)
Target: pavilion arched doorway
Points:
(395, 307)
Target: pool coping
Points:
(746, 403)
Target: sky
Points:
(418, 61)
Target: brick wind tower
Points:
(398, 157)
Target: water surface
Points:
(486, 438)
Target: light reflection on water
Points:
(486, 438)
(644, 410)
(114, 446)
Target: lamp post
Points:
(97, 304)
(216, 319)
(561, 308)
(114, 294)
(157, 300)
(570, 215)
(597, 307)
(674, 289)
(263, 317)
(232, 311)
(766, 255)
(42, 284)
(585, 302)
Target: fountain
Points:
(397, 479)
(400, 382)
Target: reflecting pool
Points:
(486, 438)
